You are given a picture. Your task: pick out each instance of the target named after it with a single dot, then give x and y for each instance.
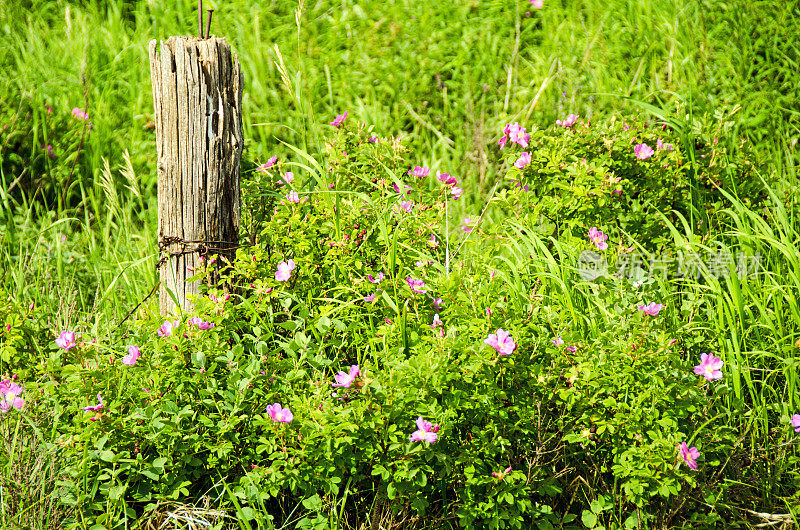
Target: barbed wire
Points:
(203, 247)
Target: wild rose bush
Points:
(364, 236)
(623, 173)
(630, 397)
(347, 372)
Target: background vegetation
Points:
(718, 80)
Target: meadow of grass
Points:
(78, 229)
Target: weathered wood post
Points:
(197, 95)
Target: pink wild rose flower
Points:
(167, 328)
(284, 271)
(379, 279)
(710, 367)
(339, 119)
(536, 4)
(95, 408)
(287, 178)
(446, 178)
(406, 188)
(598, 238)
(514, 133)
(425, 432)
(420, 172)
(795, 421)
(643, 151)
(504, 139)
(344, 380)
(66, 340)
(568, 122)
(651, 309)
(468, 225)
(417, 286)
(662, 145)
(407, 206)
(523, 160)
(519, 137)
(200, 324)
(293, 197)
(80, 114)
(132, 357)
(9, 396)
(501, 341)
(279, 414)
(264, 167)
(689, 454)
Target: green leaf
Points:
(382, 471)
(159, 462)
(323, 324)
(116, 492)
(150, 473)
(101, 442)
(313, 503)
(550, 488)
(544, 524)
(589, 519)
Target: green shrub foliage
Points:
(533, 404)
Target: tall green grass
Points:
(447, 75)
(78, 232)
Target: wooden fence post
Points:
(197, 95)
